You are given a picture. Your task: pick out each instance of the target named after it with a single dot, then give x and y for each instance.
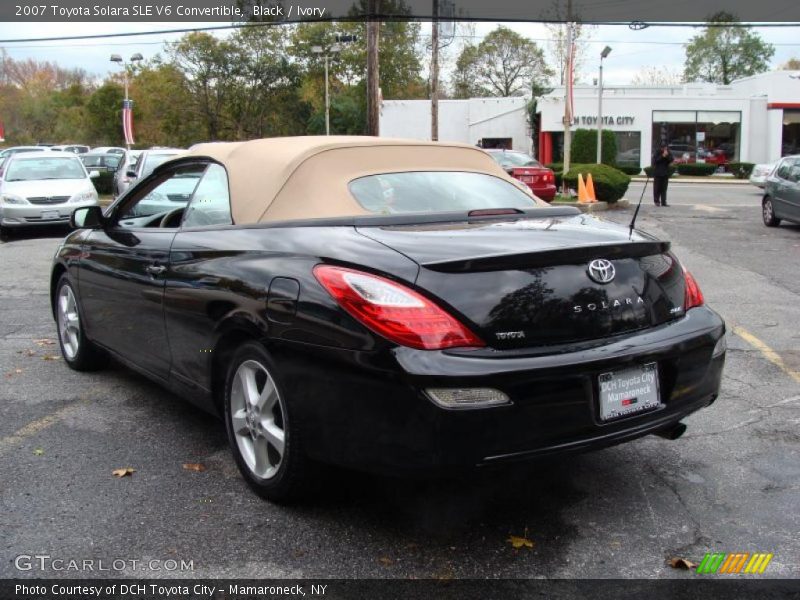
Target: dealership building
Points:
(756, 119)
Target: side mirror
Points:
(94, 174)
(86, 217)
(131, 174)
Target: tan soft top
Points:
(307, 177)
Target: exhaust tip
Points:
(673, 432)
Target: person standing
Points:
(662, 159)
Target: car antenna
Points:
(638, 206)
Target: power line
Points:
(271, 24)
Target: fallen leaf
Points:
(44, 342)
(519, 542)
(27, 352)
(386, 561)
(194, 467)
(124, 472)
(682, 563)
(51, 357)
(38, 452)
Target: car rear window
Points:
(34, 169)
(436, 191)
(515, 159)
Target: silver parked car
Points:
(148, 160)
(782, 193)
(122, 180)
(760, 172)
(40, 188)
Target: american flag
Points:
(127, 120)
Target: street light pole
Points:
(118, 59)
(326, 54)
(327, 101)
(603, 54)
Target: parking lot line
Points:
(766, 351)
(34, 427)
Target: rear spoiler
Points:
(546, 258)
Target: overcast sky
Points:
(632, 51)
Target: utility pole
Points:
(373, 105)
(568, 99)
(435, 72)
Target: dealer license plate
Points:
(628, 391)
(49, 214)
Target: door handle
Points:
(155, 270)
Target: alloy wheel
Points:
(767, 211)
(69, 323)
(257, 416)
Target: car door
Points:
(124, 267)
(792, 194)
(197, 294)
(780, 188)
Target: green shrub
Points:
(629, 169)
(741, 170)
(610, 184)
(584, 147)
(649, 170)
(697, 169)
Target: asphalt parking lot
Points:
(730, 484)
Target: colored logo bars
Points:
(740, 562)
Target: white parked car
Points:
(40, 188)
(760, 173)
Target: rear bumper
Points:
(547, 192)
(371, 412)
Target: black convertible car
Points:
(391, 305)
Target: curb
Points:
(708, 180)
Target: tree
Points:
(725, 51)
(793, 64)
(656, 76)
(503, 64)
(209, 72)
(103, 120)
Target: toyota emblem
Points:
(601, 270)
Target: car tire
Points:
(80, 353)
(768, 213)
(263, 430)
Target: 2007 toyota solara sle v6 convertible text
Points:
(396, 306)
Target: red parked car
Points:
(519, 165)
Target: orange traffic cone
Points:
(590, 188)
(583, 197)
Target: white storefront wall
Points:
(464, 121)
(635, 113)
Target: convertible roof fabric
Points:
(277, 179)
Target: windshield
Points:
(153, 160)
(36, 169)
(436, 191)
(514, 159)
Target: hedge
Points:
(630, 169)
(610, 184)
(649, 170)
(697, 169)
(741, 170)
(584, 147)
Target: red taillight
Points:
(693, 296)
(394, 311)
